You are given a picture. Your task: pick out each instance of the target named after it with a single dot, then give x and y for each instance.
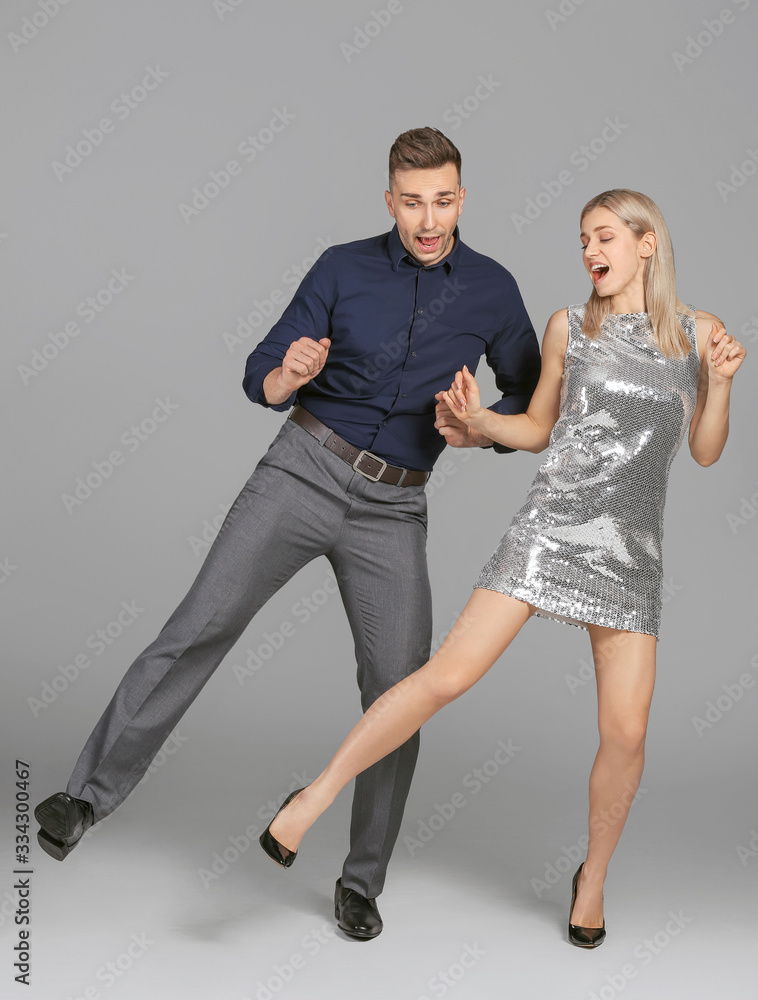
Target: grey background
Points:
(552, 84)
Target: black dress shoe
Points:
(63, 820)
(276, 851)
(583, 937)
(356, 915)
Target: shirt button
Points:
(413, 354)
(419, 311)
(404, 395)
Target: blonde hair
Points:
(640, 214)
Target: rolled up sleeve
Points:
(307, 315)
(514, 357)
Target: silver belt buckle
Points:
(374, 479)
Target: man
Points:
(376, 329)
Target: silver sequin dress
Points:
(586, 545)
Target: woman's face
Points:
(613, 255)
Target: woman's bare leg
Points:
(625, 672)
(484, 629)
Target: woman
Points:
(622, 377)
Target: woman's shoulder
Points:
(557, 331)
(704, 318)
(562, 318)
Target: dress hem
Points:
(557, 616)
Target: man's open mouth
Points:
(428, 242)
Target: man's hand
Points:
(454, 431)
(303, 361)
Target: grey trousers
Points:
(301, 502)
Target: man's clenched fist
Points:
(303, 361)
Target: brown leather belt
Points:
(370, 466)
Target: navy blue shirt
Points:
(399, 332)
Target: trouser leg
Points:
(380, 563)
(277, 524)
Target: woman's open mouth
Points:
(598, 272)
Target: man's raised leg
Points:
(269, 533)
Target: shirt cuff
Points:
(509, 405)
(253, 381)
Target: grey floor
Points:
(130, 913)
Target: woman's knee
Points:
(444, 686)
(624, 735)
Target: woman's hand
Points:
(721, 358)
(463, 397)
(724, 353)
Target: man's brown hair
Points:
(422, 149)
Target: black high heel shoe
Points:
(582, 937)
(276, 851)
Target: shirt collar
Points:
(398, 253)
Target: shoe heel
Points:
(583, 937)
(55, 848)
(282, 855)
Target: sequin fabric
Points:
(586, 545)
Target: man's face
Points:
(426, 205)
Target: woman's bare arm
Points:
(528, 431)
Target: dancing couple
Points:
(624, 377)
(362, 357)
